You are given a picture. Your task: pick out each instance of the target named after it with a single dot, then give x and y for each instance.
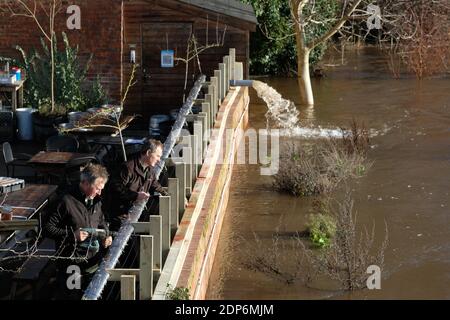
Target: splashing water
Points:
(283, 114)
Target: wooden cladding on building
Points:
(110, 29)
(159, 25)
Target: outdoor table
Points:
(26, 203)
(54, 163)
(13, 88)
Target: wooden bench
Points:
(31, 270)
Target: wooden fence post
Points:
(187, 159)
(223, 77)
(232, 62)
(156, 233)
(239, 71)
(127, 287)
(198, 134)
(174, 198)
(180, 173)
(194, 154)
(226, 62)
(209, 99)
(164, 212)
(205, 134)
(218, 75)
(206, 110)
(146, 268)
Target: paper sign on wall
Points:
(167, 58)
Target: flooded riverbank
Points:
(407, 185)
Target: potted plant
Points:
(46, 120)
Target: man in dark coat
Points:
(136, 181)
(77, 224)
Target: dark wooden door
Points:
(162, 88)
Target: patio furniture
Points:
(61, 143)
(14, 160)
(14, 88)
(59, 164)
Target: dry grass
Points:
(351, 252)
(321, 167)
(344, 263)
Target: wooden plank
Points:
(226, 61)
(198, 134)
(209, 99)
(141, 227)
(127, 287)
(194, 158)
(239, 71)
(32, 196)
(146, 268)
(116, 274)
(232, 62)
(164, 212)
(18, 225)
(206, 110)
(223, 80)
(212, 92)
(180, 173)
(187, 159)
(174, 198)
(156, 233)
(218, 75)
(205, 135)
(215, 84)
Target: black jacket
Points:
(71, 214)
(124, 187)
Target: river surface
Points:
(407, 185)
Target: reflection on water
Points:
(407, 186)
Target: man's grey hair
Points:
(152, 145)
(92, 172)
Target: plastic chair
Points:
(14, 160)
(62, 144)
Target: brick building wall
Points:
(100, 34)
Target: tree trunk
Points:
(53, 74)
(304, 78)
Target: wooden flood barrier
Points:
(158, 234)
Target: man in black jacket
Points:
(78, 225)
(135, 182)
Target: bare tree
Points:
(194, 49)
(44, 13)
(108, 117)
(346, 260)
(351, 252)
(418, 33)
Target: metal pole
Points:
(98, 283)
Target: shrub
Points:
(319, 168)
(72, 90)
(178, 293)
(321, 228)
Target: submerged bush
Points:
(319, 168)
(321, 228)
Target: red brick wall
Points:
(100, 35)
(107, 29)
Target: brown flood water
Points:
(407, 185)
